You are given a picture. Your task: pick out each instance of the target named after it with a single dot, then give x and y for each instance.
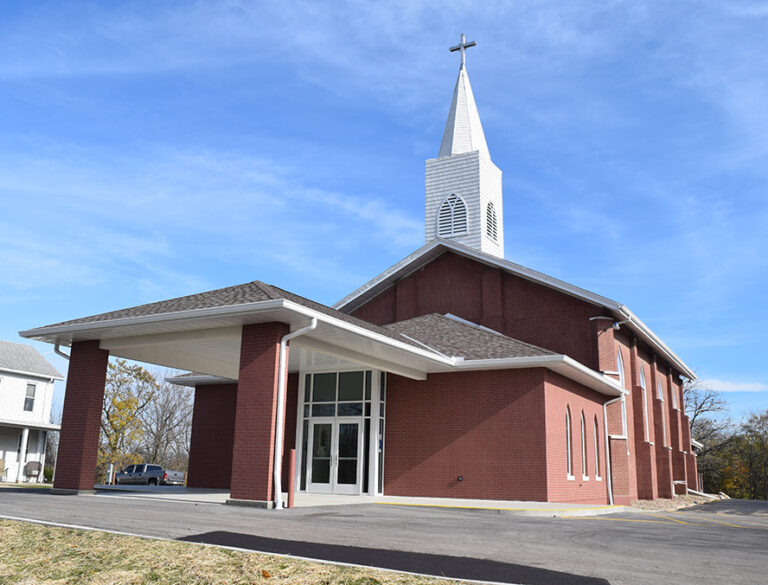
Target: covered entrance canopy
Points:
(235, 334)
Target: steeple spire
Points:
(463, 130)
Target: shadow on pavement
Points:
(438, 565)
(743, 507)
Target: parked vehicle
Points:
(149, 474)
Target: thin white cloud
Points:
(729, 386)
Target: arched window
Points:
(597, 450)
(645, 402)
(673, 393)
(623, 382)
(568, 453)
(584, 464)
(452, 217)
(491, 225)
(660, 391)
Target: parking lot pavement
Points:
(710, 544)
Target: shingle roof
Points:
(25, 358)
(456, 338)
(250, 292)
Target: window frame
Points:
(584, 458)
(29, 401)
(568, 445)
(644, 387)
(660, 390)
(598, 476)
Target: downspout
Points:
(57, 351)
(282, 366)
(609, 481)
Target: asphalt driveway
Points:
(721, 542)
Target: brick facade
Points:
(81, 417)
(483, 426)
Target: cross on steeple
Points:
(463, 46)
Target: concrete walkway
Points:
(303, 500)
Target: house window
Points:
(622, 381)
(597, 451)
(584, 465)
(645, 403)
(568, 453)
(663, 414)
(29, 399)
(452, 217)
(673, 393)
(491, 225)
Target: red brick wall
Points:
(213, 433)
(289, 434)
(253, 449)
(491, 297)
(562, 393)
(485, 426)
(81, 417)
(620, 472)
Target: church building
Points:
(454, 373)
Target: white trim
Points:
(47, 377)
(437, 246)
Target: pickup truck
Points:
(148, 474)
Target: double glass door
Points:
(335, 456)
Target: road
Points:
(722, 542)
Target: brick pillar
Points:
(212, 437)
(255, 417)
(81, 418)
(604, 345)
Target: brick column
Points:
(604, 345)
(254, 441)
(81, 418)
(492, 300)
(212, 437)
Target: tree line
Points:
(733, 458)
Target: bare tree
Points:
(166, 423)
(707, 411)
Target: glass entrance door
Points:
(335, 449)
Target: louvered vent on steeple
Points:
(492, 228)
(452, 218)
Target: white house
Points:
(26, 393)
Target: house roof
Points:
(25, 359)
(437, 247)
(452, 336)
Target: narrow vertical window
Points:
(645, 403)
(491, 225)
(623, 382)
(673, 393)
(568, 453)
(597, 450)
(663, 414)
(29, 399)
(452, 217)
(584, 464)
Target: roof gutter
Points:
(282, 365)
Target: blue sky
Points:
(151, 150)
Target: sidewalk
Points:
(302, 500)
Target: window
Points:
(673, 393)
(622, 381)
(452, 217)
(491, 225)
(663, 414)
(584, 465)
(597, 451)
(29, 400)
(645, 403)
(568, 453)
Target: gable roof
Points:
(452, 336)
(241, 294)
(25, 359)
(439, 246)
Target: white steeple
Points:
(463, 186)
